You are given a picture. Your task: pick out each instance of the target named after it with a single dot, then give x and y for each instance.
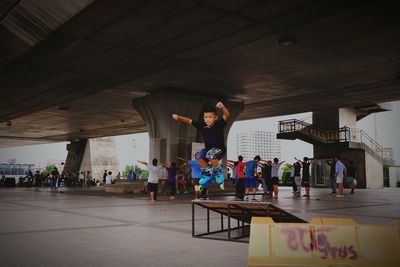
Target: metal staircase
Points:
(297, 129)
(353, 138)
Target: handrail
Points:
(360, 136)
(325, 136)
(344, 134)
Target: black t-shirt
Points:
(266, 171)
(214, 136)
(333, 167)
(297, 169)
(306, 169)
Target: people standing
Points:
(37, 180)
(54, 178)
(152, 181)
(275, 176)
(104, 176)
(332, 176)
(196, 175)
(266, 171)
(297, 178)
(250, 180)
(240, 167)
(171, 179)
(340, 170)
(305, 179)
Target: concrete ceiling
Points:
(70, 69)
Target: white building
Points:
(262, 143)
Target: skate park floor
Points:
(88, 227)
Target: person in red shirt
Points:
(240, 168)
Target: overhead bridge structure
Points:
(82, 69)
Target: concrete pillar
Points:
(325, 120)
(347, 117)
(75, 154)
(169, 138)
(332, 120)
(369, 168)
(94, 155)
(100, 154)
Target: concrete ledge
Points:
(123, 186)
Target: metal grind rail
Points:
(240, 211)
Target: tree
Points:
(49, 168)
(286, 172)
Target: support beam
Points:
(169, 138)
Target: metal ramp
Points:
(239, 211)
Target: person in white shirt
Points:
(339, 172)
(152, 181)
(275, 176)
(109, 178)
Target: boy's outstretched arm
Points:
(182, 119)
(226, 115)
(143, 162)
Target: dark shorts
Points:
(275, 180)
(152, 187)
(250, 182)
(305, 184)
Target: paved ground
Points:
(91, 228)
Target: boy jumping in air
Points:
(212, 129)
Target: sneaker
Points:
(254, 200)
(222, 186)
(339, 195)
(306, 195)
(185, 192)
(352, 191)
(247, 199)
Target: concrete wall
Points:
(374, 172)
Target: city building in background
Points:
(14, 169)
(262, 143)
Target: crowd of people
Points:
(248, 175)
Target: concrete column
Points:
(100, 154)
(75, 154)
(347, 117)
(326, 120)
(94, 155)
(332, 120)
(169, 138)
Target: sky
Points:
(385, 126)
